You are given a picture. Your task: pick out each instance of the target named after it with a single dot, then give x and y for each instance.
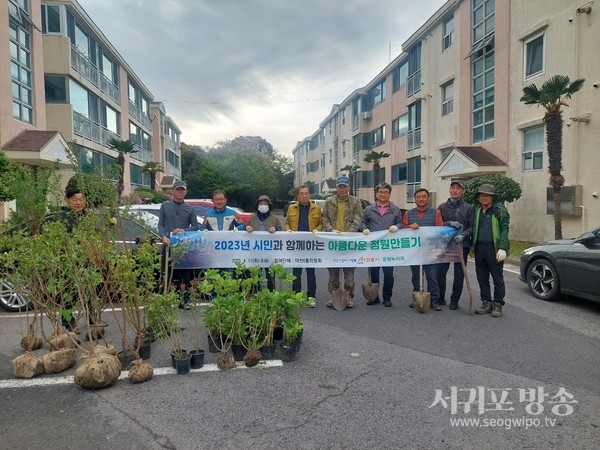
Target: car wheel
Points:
(542, 279)
(10, 299)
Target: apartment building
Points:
(69, 87)
(449, 107)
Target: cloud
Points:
(272, 68)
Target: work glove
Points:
(501, 255)
(315, 231)
(366, 231)
(456, 225)
(393, 229)
(289, 230)
(336, 231)
(458, 238)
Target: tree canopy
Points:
(244, 167)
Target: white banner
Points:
(222, 249)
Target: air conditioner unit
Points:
(367, 115)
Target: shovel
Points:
(370, 290)
(421, 299)
(464, 268)
(340, 296)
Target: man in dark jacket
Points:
(458, 214)
(491, 247)
(379, 216)
(176, 216)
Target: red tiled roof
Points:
(481, 156)
(30, 140)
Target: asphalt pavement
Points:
(369, 377)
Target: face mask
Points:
(263, 208)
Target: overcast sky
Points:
(269, 68)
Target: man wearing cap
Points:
(176, 216)
(304, 215)
(491, 247)
(458, 214)
(342, 213)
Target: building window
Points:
(413, 81)
(51, 19)
(400, 126)
(413, 136)
(448, 31)
(413, 178)
(444, 152)
(377, 94)
(447, 98)
(20, 70)
(399, 173)
(399, 76)
(533, 148)
(56, 90)
(483, 70)
(534, 56)
(377, 137)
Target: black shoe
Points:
(374, 302)
(387, 303)
(185, 306)
(453, 306)
(436, 307)
(442, 302)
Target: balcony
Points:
(413, 83)
(141, 154)
(87, 128)
(413, 139)
(137, 113)
(84, 66)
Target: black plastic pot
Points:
(183, 352)
(146, 347)
(238, 351)
(268, 351)
(197, 359)
(278, 333)
(288, 353)
(183, 364)
(126, 358)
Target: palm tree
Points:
(375, 158)
(153, 167)
(552, 96)
(122, 147)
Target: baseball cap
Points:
(343, 180)
(461, 183)
(179, 184)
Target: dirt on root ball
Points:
(140, 371)
(31, 342)
(225, 361)
(27, 365)
(94, 333)
(59, 360)
(98, 371)
(64, 340)
(252, 357)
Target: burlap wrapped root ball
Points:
(96, 350)
(27, 365)
(59, 360)
(64, 340)
(140, 371)
(31, 342)
(98, 371)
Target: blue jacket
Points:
(222, 220)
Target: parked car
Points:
(203, 205)
(152, 209)
(132, 227)
(567, 266)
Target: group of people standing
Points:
(481, 229)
